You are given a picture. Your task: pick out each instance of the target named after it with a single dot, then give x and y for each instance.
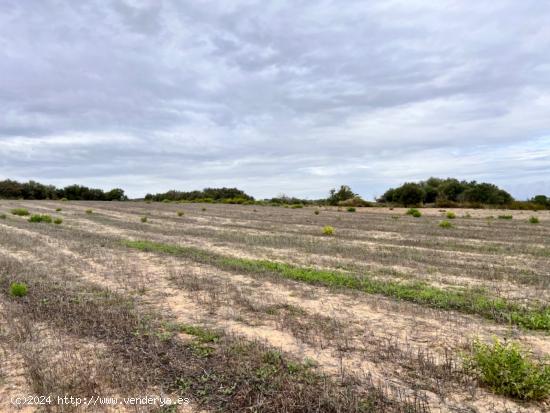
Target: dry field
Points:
(251, 308)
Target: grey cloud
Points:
(280, 96)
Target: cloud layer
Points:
(274, 97)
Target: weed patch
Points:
(328, 230)
(20, 212)
(445, 224)
(41, 218)
(509, 370)
(18, 289)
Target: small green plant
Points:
(534, 220)
(296, 206)
(20, 212)
(505, 217)
(180, 213)
(143, 219)
(58, 221)
(89, 211)
(40, 218)
(328, 230)
(18, 289)
(414, 212)
(450, 215)
(509, 370)
(445, 224)
(316, 212)
(58, 210)
(3, 216)
(351, 209)
(203, 209)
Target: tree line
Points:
(227, 195)
(10, 189)
(438, 192)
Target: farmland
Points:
(256, 308)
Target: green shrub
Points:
(351, 209)
(89, 211)
(316, 212)
(328, 230)
(505, 217)
(40, 218)
(64, 199)
(203, 209)
(180, 213)
(450, 215)
(20, 212)
(534, 220)
(18, 289)
(414, 212)
(143, 219)
(445, 224)
(509, 370)
(296, 206)
(58, 221)
(3, 216)
(58, 210)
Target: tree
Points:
(343, 194)
(411, 194)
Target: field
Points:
(255, 308)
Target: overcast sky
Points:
(275, 96)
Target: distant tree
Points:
(343, 194)
(486, 194)
(541, 200)
(451, 189)
(410, 194)
(115, 194)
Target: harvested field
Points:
(253, 308)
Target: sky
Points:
(293, 97)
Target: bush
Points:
(316, 212)
(296, 206)
(3, 216)
(203, 209)
(505, 217)
(41, 218)
(143, 219)
(508, 370)
(328, 230)
(20, 212)
(89, 211)
(414, 212)
(355, 202)
(180, 213)
(351, 209)
(534, 220)
(445, 224)
(18, 289)
(58, 210)
(58, 221)
(450, 215)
